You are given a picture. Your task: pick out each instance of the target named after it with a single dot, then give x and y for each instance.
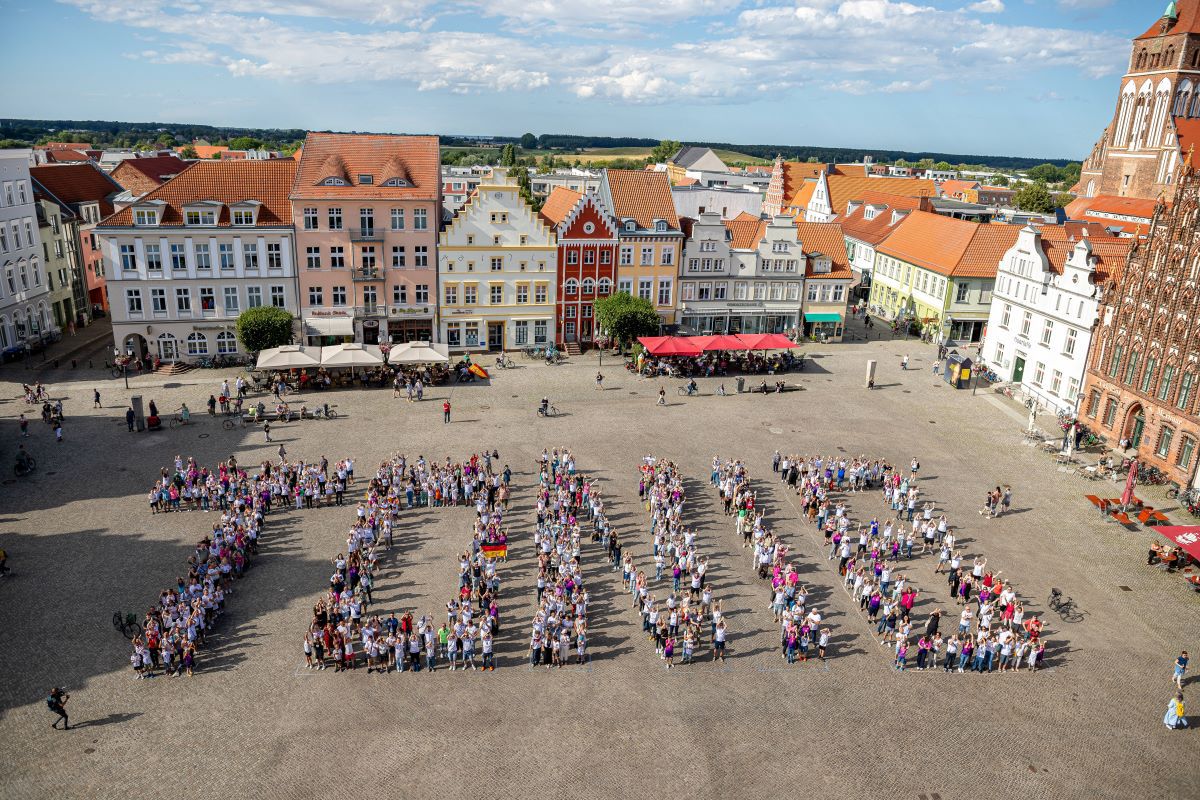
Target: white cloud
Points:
(1086, 4)
(739, 51)
(987, 7)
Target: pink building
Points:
(367, 210)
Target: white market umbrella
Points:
(290, 356)
(419, 353)
(351, 355)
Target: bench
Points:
(1122, 517)
(1091, 498)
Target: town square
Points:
(82, 543)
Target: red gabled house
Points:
(587, 262)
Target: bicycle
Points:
(26, 467)
(684, 391)
(231, 422)
(178, 421)
(324, 412)
(127, 625)
(1066, 607)
(548, 411)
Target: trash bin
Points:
(741, 382)
(958, 371)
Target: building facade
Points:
(866, 222)
(184, 261)
(89, 193)
(497, 274)
(1156, 120)
(587, 262)
(367, 210)
(1143, 378)
(25, 311)
(59, 232)
(651, 241)
(1048, 291)
(940, 271)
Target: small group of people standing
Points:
(690, 610)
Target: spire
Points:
(1172, 11)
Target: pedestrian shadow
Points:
(111, 719)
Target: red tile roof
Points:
(204, 150)
(687, 182)
(875, 230)
(64, 156)
(953, 188)
(413, 158)
(747, 231)
(156, 168)
(77, 183)
(795, 173)
(1188, 132)
(558, 205)
(949, 246)
(642, 196)
(226, 182)
(827, 239)
(64, 146)
(1110, 251)
(1188, 21)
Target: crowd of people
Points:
(802, 631)
(678, 623)
(564, 498)
(343, 632)
(176, 626)
(298, 484)
(993, 632)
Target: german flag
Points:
(495, 550)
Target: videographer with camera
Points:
(56, 701)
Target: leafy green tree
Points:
(508, 156)
(943, 166)
(245, 143)
(1062, 199)
(188, 152)
(528, 142)
(664, 150)
(625, 317)
(925, 163)
(998, 180)
(1034, 197)
(1046, 173)
(263, 327)
(813, 160)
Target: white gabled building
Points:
(497, 270)
(25, 315)
(1048, 290)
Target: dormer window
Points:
(145, 217)
(200, 217)
(333, 182)
(243, 217)
(630, 225)
(660, 226)
(366, 180)
(397, 182)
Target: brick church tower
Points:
(1143, 378)
(1157, 117)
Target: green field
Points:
(601, 155)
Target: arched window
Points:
(1141, 60)
(1196, 58)
(1158, 119)
(8, 276)
(23, 273)
(36, 269)
(1141, 116)
(1183, 99)
(1170, 58)
(226, 342)
(605, 286)
(1195, 110)
(197, 344)
(4, 340)
(571, 286)
(589, 286)
(1128, 97)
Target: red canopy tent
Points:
(766, 341)
(721, 342)
(669, 346)
(1186, 536)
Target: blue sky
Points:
(1003, 77)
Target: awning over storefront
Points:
(814, 317)
(328, 326)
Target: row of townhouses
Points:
(354, 240)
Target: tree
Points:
(188, 152)
(165, 140)
(263, 327)
(1062, 199)
(925, 163)
(663, 151)
(526, 187)
(998, 180)
(625, 317)
(1034, 197)
(943, 166)
(508, 156)
(813, 160)
(528, 142)
(245, 143)
(1046, 173)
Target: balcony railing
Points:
(366, 234)
(367, 274)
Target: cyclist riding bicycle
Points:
(185, 413)
(545, 406)
(692, 387)
(23, 459)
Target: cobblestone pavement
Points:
(253, 722)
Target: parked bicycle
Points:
(127, 625)
(504, 362)
(1065, 606)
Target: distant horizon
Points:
(948, 76)
(483, 136)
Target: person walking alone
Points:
(96, 399)
(267, 430)
(1181, 664)
(57, 702)
(904, 363)
(445, 412)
